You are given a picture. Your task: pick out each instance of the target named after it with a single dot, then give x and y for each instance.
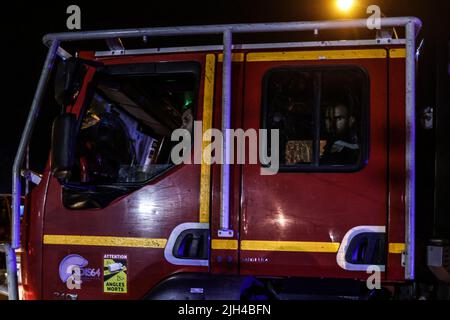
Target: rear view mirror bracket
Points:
(63, 146)
(69, 78)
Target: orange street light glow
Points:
(345, 5)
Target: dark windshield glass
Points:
(125, 131)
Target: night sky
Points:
(26, 22)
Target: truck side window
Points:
(126, 127)
(321, 114)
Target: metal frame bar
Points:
(255, 46)
(24, 141)
(410, 112)
(21, 152)
(220, 29)
(411, 24)
(225, 230)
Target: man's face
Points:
(338, 121)
(187, 119)
(426, 118)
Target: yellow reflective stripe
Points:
(217, 244)
(235, 57)
(396, 248)
(317, 55)
(292, 246)
(205, 175)
(224, 244)
(397, 53)
(105, 241)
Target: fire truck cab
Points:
(113, 216)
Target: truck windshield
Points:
(126, 127)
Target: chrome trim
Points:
(340, 257)
(168, 254)
(224, 230)
(410, 149)
(63, 54)
(31, 176)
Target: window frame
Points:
(141, 69)
(365, 118)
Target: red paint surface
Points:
(317, 207)
(397, 175)
(313, 207)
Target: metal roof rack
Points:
(411, 24)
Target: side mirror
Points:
(69, 80)
(63, 145)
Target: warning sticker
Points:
(114, 273)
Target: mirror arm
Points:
(31, 176)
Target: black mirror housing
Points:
(63, 145)
(69, 80)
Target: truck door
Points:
(324, 213)
(129, 217)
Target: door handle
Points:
(192, 244)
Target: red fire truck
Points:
(113, 217)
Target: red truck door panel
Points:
(127, 247)
(397, 172)
(293, 223)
